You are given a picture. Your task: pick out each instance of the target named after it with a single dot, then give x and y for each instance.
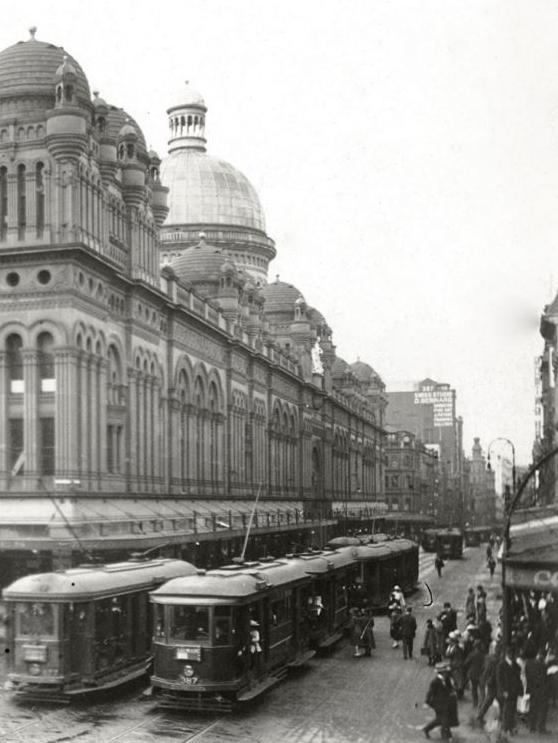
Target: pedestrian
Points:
(448, 617)
(441, 697)
(470, 610)
(488, 551)
(367, 639)
(480, 605)
(509, 688)
(439, 564)
(357, 627)
(473, 666)
(488, 688)
(430, 643)
(440, 640)
(255, 647)
(408, 629)
(455, 658)
(491, 566)
(398, 596)
(394, 628)
(538, 687)
(485, 634)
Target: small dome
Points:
(99, 102)
(66, 68)
(365, 373)
(280, 297)
(28, 69)
(340, 366)
(128, 132)
(153, 156)
(207, 191)
(187, 96)
(200, 264)
(116, 119)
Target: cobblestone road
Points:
(336, 699)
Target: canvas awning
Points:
(42, 522)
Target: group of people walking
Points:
(516, 677)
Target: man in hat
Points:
(509, 687)
(439, 697)
(454, 654)
(408, 629)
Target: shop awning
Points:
(532, 561)
(38, 522)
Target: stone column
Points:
(30, 411)
(3, 415)
(102, 366)
(66, 426)
(93, 419)
(132, 429)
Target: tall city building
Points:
(428, 410)
(152, 383)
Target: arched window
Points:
(21, 201)
(3, 203)
(14, 361)
(199, 400)
(40, 199)
(183, 393)
(213, 435)
(45, 362)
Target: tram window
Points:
(189, 623)
(222, 624)
(35, 619)
(340, 595)
(108, 618)
(158, 621)
(280, 611)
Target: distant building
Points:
(480, 504)
(428, 410)
(412, 475)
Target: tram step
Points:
(261, 687)
(301, 660)
(331, 640)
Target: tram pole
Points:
(514, 501)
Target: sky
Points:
(405, 154)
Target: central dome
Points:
(28, 68)
(207, 191)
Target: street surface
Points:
(336, 699)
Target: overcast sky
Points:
(405, 153)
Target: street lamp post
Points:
(502, 438)
(516, 497)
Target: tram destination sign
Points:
(188, 653)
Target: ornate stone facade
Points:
(124, 382)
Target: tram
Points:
(82, 630)
(225, 637)
(475, 535)
(449, 543)
(429, 541)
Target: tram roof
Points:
(96, 581)
(384, 550)
(233, 581)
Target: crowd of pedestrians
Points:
(520, 679)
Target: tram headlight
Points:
(188, 671)
(34, 669)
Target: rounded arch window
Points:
(14, 361)
(45, 362)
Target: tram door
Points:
(77, 630)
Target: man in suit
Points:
(440, 696)
(488, 688)
(538, 688)
(408, 629)
(448, 617)
(509, 687)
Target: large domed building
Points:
(151, 381)
(209, 195)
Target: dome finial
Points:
(276, 278)
(96, 94)
(32, 31)
(202, 238)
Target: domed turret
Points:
(280, 299)
(159, 193)
(27, 76)
(187, 121)
(200, 266)
(210, 194)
